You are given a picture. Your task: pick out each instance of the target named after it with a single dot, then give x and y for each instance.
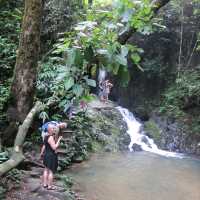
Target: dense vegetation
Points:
(80, 37)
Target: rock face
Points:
(108, 126)
(171, 135)
(99, 128)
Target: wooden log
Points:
(17, 154)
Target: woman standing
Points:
(50, 159)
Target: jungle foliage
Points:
(10, 19)
(71, 68)
(182, 100)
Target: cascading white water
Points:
(102, 75)
(139, 138)
(101, 79)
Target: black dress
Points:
(50, 160)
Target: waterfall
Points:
(139, 138)
(101, 78)
(102, 75)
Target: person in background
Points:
(50, 158)
(105, 87)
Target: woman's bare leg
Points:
(50, 179)
(45, 177)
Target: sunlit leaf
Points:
(121, 59)
(116, 69)
(90, 82)
(69, 83)
(136, 58)
(78, 90)
(124, 51)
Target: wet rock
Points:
(173, 135)
(136, 147)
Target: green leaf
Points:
(124, 51)
(43, 115)
(69, 83)
(78, 60)
(91, 82)
(121, 59)
(115, 69)
(66, 106)
(88, 98)
(89, 54)
(136, 58)
(102, 51)
(78, 90)
(62, 103)
(71, 55)
(93, 71)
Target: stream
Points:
(137, 176)
(152, 174)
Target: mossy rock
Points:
(153, 131)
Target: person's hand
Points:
(41, 156)
(60, 138)
(63, 125)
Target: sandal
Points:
(51, 188)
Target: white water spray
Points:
(102, 75)
(137, 137)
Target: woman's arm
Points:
(54, 145)
(42, 151)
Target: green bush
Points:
(183, 94)
(4, 95)
(182, 100)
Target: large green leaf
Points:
(78, 61)
(90, 82)
(121, 59)
(93, 70)
(78, 90)
(69, 83)
(71, 55)
(89, 54)
(124, 51)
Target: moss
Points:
(153, 130)
(96, 146)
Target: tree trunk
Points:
(23, 85)
(156, 5)
(24, 80)
(17, 155)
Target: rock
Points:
(171, 135)
(78, 159)
(136, 147)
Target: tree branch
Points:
(17, 155)
(156, 5)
